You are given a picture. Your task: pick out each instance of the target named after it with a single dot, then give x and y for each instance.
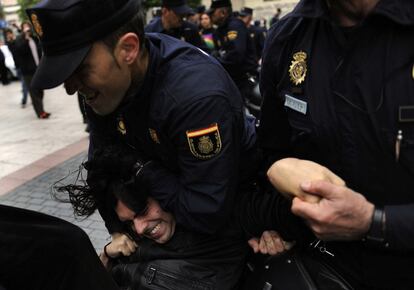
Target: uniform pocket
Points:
(297, 110)
(406, 147)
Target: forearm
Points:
(258, 212)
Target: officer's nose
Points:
(140, 225)
(72, 84)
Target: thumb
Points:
(305, 210)
(321, 188)
(254, 244)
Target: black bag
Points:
(298, 269)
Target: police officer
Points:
(256, 33)
(236, 50)
(170, 102)
(338, 85)
(172, 23)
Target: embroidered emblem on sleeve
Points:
(232, 35)
(204, 143)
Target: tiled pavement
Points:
(36, 195)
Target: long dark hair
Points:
(110, 177)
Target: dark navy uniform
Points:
(187, 32)
(236, 50)
(344, 97)
(187, 117)
(258, 36)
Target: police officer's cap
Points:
(245, 11)
(218, 4)
(68, 28)
(201, 9)
(180, 7)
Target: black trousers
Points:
(36, 95)
(41, 252)
(3, 72)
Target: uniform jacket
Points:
(339, 97)
(236, 50)
(258, 36)
(188, 118)
(187, 32)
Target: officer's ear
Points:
(128, 48)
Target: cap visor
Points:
(182, 10)
(53, 70)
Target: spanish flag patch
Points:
(204, 143)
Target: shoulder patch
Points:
(232, 35)
(204, 143)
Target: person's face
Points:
(354, 10)
(247, 20)
(218, 16)
(27, 29)
(9, 36)
(205, 21)
(101, 78)
(171, 19)
(155, 223)
(195, 19)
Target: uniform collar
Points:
(399, 11)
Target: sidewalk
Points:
(35, 153)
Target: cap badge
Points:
(36, 24)
(154, 136)
(121, 126)
(298, 68)
(204, 143)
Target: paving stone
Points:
(34, 207)
(37, 195)
(37, 201)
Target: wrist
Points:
(105, 251)
(376, 235)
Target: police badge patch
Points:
(232, 35)
(298, 68)
(204, 143)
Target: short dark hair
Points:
(135, 25)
